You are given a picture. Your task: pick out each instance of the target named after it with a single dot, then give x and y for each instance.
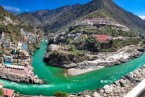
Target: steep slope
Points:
(4, 13)
(122, 16)
(55, 19)
(28, 18)
(62, 18)
(11, 26)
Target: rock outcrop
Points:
(82, 62)
(64, 60)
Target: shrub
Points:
(61, 94)
(1, 60)
(1, 92)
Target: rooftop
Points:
(101, 38)
(8, 92)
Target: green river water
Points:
(56, 81)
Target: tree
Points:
(61, 94)
(1, 92)
(18, 53)
(73, 48)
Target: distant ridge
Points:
(62, 18)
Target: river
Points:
(56, 81)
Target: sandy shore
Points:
(73, 71)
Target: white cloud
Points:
(143, 17)
(27, 10)
(18, 9)
(14, 9)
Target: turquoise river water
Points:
(56, 81)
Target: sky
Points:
(135, 6)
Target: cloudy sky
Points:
(135, 6)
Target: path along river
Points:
(56, 81)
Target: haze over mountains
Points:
(61, 18)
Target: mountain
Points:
(61, 18)
(29, 18)
(53, 20)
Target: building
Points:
(85, 23)
(1, 85)
(19, 45)
(8, 60)
(53, 47)
(7, 92)
(2, 36)
(101, 38)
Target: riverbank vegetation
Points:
(61, 94)
(1, 92)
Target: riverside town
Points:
(79, 48)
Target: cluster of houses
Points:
(7, 92)
(14, 55)
(75, 36)
(79, 35)
(105, 41)
(99, 22)
(13, 49)
(30, 37)
(15, 60)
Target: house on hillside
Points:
(5, 43)
(8, 59)
(53, 47)
(84, 22)
(102, 38)
(2, 36)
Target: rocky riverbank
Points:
(114, 59)
(20, 78)
(118, 88)
(68, 61)
(76, 64)
(107, 59)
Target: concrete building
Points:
(53, 47)
(8, 60)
